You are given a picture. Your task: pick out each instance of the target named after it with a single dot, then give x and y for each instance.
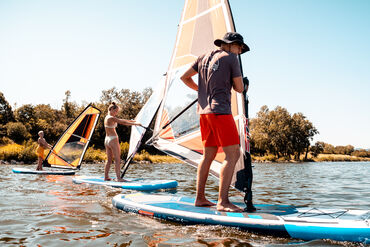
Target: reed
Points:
(338, 157)
(17, 152)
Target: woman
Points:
(42, 144)
(111, 141)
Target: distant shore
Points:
(25, 154)
(151, 159)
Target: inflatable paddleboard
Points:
(43, 172)
(130, 184)
(281, 220)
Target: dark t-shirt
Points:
(216, 70)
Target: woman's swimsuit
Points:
(108, 139)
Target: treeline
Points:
(288, 136)
(23, 124)
(274, 133)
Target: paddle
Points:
(247, 157)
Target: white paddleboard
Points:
(131, 184)
(43, 172)
(282, 220)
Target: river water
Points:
(53, 211)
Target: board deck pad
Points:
(132, 184)
(43, 172)
(282, 220)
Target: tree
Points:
(26, 115)
(279, 133)
(346, 150)
(270, 131)
(49, 120)
(302, 133)
(17, 132)
(6, 113)
(259, 131)
(317, 149)
(69, 109)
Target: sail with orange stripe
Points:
(177, 130)
(70, 148)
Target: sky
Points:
(307, 56)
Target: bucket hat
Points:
(232, 37)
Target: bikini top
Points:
(109, 126)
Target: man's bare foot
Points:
(204, 203)
(120, 180)
(229, 207)
(107, 179)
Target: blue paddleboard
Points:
(130, 184)
(282, 220)
(43, 172)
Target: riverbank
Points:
(310, 158)
(25, 154)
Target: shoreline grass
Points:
(16, 153)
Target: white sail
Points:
(145, 117)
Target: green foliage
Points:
(6, 113)
(277, 132)
(17, 132)
(142, 156)
(124, 149)
(18, 152)
(361, 153)
(5, 140)
(344, 149)
(28, 153)
(317, 149)
(94, 155)
(10, 152)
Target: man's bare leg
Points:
(209, 153)
(232, 155)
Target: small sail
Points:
(177, 130)
(145, 117)
(72, 145)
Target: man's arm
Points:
(238, 84)
(188, 80)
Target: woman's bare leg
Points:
(109, 162)
(117, 159)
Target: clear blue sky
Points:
(307, 56)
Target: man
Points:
(219, 72)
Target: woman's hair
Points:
(112, 106)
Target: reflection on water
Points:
(53, 211)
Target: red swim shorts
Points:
(218, 130)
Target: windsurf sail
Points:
(145, 118)
(177, 130)
(70, 148)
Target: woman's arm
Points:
(126, 122)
